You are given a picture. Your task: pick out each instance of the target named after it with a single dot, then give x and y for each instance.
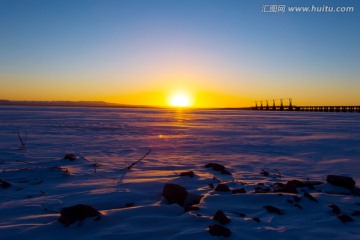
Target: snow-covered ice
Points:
(295, 145)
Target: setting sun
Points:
(180, 100)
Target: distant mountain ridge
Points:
(65, 103)
(4, 102)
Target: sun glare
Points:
(180, 100)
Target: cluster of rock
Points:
(177, 194)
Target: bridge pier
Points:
(274, 106)
(290, 105)
(281, 105)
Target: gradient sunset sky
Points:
(222, 53)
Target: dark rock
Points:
(356, 213)
(70, 157)
(221, 217)
(4, 184)
(256, 219)
(238, 190)
(218, 230)
(189, 174)
(265, 173)
(295, 184)
(342, 181)
(222, 188)
(309, 196)
(291, 186)
(272, 209)
(335, 208)
(345, 218)
(129, 205)
(225, 172)
(285, 189)
(191, 208)
(174, 193)
(215, 166)
(211, 185)
(70, 215)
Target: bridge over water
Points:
(290, 107)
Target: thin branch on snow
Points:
(131, 165)
(123, 169)
(22, 141)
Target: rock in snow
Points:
(342, 181)
(70, 157)
(221, 217)
(174, 193)
(311, 197)
(222, 187)
(272, 209)
(4, 184)
(189, 174)
(345, 218)
(215, 166)
(218, 167)
(70, 215)
(335, 208)
(218, 230)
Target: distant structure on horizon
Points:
(291, 107)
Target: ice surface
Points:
(298, 145)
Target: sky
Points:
(220, 53)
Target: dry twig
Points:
(22, 141)
(131, 165)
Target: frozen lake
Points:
(314, 143)
(295, 145)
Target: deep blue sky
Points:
(115, 50)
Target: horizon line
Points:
(70, 103)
